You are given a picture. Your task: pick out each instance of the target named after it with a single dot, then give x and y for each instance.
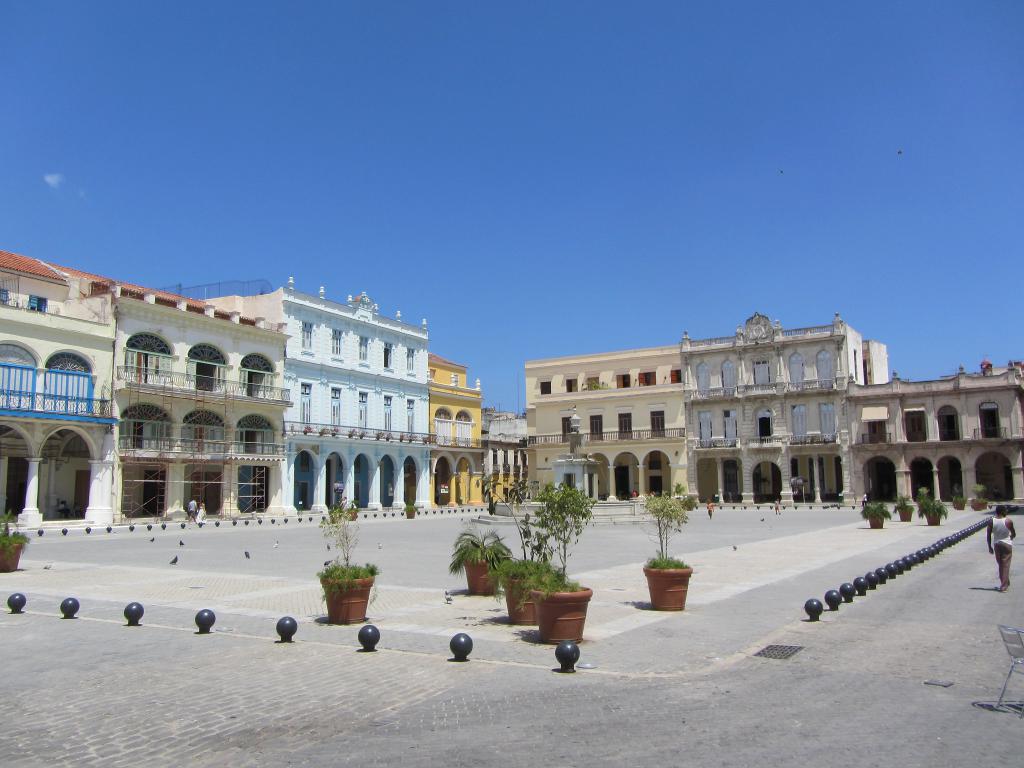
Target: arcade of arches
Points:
(371, 482)
(456, 480)
(887, 477)
(809, 479)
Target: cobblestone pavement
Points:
(91, 691)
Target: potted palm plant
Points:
(979, 502)
(561, 603)
(511, 576)
(876, 513)
(346, 586)
(668, 579)
(11, 544)
(904, 508)
(477, 554)
(930, 509)
(410, 510)
(959, 503)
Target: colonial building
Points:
(947, 435)
(356, 428)
(765, 410)
(56, 425)
(456, 454)
(504, 444)
(632, 415)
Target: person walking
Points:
(1000, 534)
(192, 510)
(711, 508)
(778, 510)
(201, 514)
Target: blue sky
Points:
(543, 178)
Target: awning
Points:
(874, 413)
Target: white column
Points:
(30, 514)
(320, 485)
(286, 492)
(720, 465)
(819, 472)
(350, 479)
(275, 491)
(375, 486)
(785, 470)
(3, 485)
(50, 497)
(101, 485)
(423, 483)
(748, 480)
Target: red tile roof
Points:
(444, 361)
(29, 266)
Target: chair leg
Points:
(1003, 692)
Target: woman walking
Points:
(1000, 534)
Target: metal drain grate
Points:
(778, 651)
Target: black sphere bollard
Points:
(110, 529)
(131, 528)
(133, 613)
(183, 526)
(205, 620)
(461, 646)
(16, 602)
(813, 608)
(63, 531)
(882, 575)
(39, 532)
(898, 564)
(163, 526)
(847, 591)
(311, 518)
(567, 653)
(890, 571)
(833, 599)
(216, 523)
(273, 521)
(872, 579)
(69, 607)
(149, 526)
(201, 524)
(861, 585)
(369, 636)
(88, 529)
(234, 523)
(246, 522)
(259, 521)
(286, 628)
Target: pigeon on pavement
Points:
(448, 597)
(152, 540)
(247, 554)
(175, 560)
(181, 543)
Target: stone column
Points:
(819, 472)
(641, 486)
(935, 482)
(287, 479)
(320, 483)
(175, 493)
(101, 484)
(476, 495)
(1017, 474)
(423, 483)
(350, 480)
(903, 483)
(3, 485)
(747, 473)
(787, 477)
(276, 472)
(50, 497)
(375, 486)
(30, 515)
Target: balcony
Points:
(351, 432)
(154, 447)
(53, 406)
(875, 438)
(717, 442)
(828, 437)
(767, 441)
(611, 436)
(811, 386)
(991, 433)
(715, 393)
(190, 385)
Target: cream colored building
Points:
(945, 434)
(56, 426)
(632, 418)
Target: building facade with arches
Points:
(947, 435)
(57, 452)
(356, 429)
(456, 451)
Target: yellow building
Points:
(456, 456)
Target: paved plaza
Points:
(664, 687)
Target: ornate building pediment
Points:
(757, 328)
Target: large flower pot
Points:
(477, 580)
(520, 610)
(979, 504)
(668, 587)
(933, 519)
(561, 615)
(905, 517)
(347, 606)
(878, 522)
(960, 505)
(9, 558)
(410, 514)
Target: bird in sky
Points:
(781, 172)
(899, 153)
(247, 554)
(175, 560)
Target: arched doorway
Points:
(15, 449)
(65, 475)
(707, 479)
(921, 476)
(951, 478)
(206, 367)
(462, 479)
(627, 470)
(409, 480)
(387, 482)
(767, 480)
(68, 384)
(657, 473)
(305, 479)
(442, 482)
(992, 470)
(334, 480)
(880, 479)
(361, 491)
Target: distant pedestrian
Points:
(711, 508)
(1000, 534)
(201, 514)
(778, 510)
(864, 501)
(192, 510)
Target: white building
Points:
(358, 423)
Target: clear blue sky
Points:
(539, 178)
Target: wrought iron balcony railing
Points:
(31, 402)
(192, 383)
(129, 444)
(616, 435)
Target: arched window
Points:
(147, 359)
(256, 362)
(68, 384)
(17, 378)
(206, 366)
(255, 374)
(202, 426)
(145, 427)
(988, 414)
(443, 426)
(796, 368)
(826, 371)
(729, 374)
(463, 428)
(703, 378)
(253, 433)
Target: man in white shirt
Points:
(1000, 534)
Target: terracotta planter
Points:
(960, 505)
(9, 558)
(933, 519)
(477, 580)
(561, 615)
(905, 517)
(519, 611)
(353, 514)
(410, 514)
(668, 587)
(878, 522)
(347, 606)
(979, 504)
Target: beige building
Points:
(946, 435)
(765, 410)
(630, 404)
